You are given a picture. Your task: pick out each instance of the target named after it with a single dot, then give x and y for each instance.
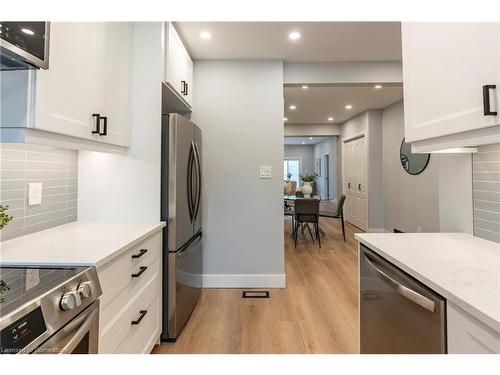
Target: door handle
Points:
(142, 270)
(406, 292)
(190, 183)
(143, 314)
(97, 129)
(486, 100)
(105, 126)
(359, 186)
(198, 187)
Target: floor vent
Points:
(255, 294)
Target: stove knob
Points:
(70, 300)
(85, 289)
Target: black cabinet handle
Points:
(143, 314)
(183, 87)
(97, 129)
(141, 253)
(105, 127)
(486, 100)
(359, 186)
(186, 90)
(142, 270)
(349, 185)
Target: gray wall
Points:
(486, 190)
(327, 146)
(410, 201)
(242, 127)
(56, 169)
(306, 152)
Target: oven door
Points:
(79, 336)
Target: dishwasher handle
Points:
(413, 296)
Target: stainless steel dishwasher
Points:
(398, 314)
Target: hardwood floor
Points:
(317, 312)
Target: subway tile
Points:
(12, 164)
(7, 154)
(492, 236)
(45, 225)
(45, 166)
(487, 225)
(487, 215)
(6, 174)
(486, 176)
(12, 185)
(30, 174)
(489, 166)
(56, 169)
(47, 216)
(487, 205)
(486, 156)
(487, 196)
(11, 194)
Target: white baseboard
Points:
(377, 230)
(243, 281)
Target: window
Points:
(292, 166)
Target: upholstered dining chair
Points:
(307, 211)
(338, 214)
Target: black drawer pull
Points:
(105, 127)
(97, 129)
(141, 253)
(142, 270)
(143, 314)
(486, 100)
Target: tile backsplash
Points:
(486, 191)
(56, 169)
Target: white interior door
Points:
(355, 186)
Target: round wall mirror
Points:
(412, 163)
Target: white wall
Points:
(127, 187)
(239, 107)
(343, 72)
(305, 152)
(410, 201)
(327, 146)
(310, 130)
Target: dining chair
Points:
(307, 212)
(289, 211)
(338, 214)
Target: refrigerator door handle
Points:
(190, 183)
(413, 296)
(198, 187)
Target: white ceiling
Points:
(317, 103)
(303, 140)
(319, 42)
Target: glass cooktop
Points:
(19, 286)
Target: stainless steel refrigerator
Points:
(181, 209)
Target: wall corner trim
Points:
(244, 281)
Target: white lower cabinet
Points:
(467, 335)
(130, 306)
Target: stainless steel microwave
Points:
(24, 45)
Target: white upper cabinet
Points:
(89, 78)
(445, 69)
(178, 66)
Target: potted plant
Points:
(308, 179)
(4, 220)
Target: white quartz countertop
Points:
(75, 244)
(462, 268)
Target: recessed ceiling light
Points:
(293, 107)
(305, 87)
(378, 87)
(303, 143)
(330, 118)
(205, 35)
(294, 35)
(285, 119)
(28, 31)
(310, 138)
(348, 106)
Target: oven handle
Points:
(80, 333)
(413, 296)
